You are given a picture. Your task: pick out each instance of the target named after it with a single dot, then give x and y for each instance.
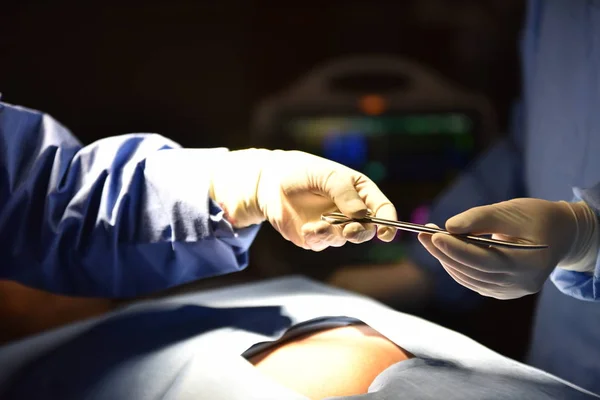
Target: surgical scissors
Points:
(336, 218)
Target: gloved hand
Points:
(569, 229)
(292, 189)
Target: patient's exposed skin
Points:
(335, 362)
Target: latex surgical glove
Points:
(569, 229)
(292, 189)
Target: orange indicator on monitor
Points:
(372, 104)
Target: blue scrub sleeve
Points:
(581, 285)
(124, 216)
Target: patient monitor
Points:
(402, 124)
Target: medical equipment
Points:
(405, 126)
(335, 218)
(382, 116)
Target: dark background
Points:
(195, 70)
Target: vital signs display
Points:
(424, 147)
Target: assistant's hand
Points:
(292, 189)
(567, 228)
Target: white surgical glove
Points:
(291, 189)
(569, 229)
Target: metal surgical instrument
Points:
(336, 218)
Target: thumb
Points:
(343, 193)
(479, 220)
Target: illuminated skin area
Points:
(334, 362)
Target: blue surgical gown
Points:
(124, 216)
(554, 151)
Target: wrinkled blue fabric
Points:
(553, 150)
(124, 216)
(580, 285)
(193, 347)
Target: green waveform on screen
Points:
(452, 124)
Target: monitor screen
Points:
(389, 148)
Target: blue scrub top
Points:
(554, 148)
(125, 216)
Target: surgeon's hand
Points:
(569, 229)
(292, 189)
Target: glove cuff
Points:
(234, 186)
(583, 253)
